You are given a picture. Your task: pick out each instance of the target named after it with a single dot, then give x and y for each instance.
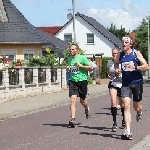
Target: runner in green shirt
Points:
(78, 67)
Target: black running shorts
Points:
(78, 88)
(135, 89)
(116, 88)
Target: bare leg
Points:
(127, 113)
(72, 105)
(86, 107)
(113, 96)
(84, 103)
(137, 106)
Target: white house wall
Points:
(101, 43)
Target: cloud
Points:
(107, 16)
(128, 15)
(37, 4)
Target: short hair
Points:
(77, 46)
(115, 48)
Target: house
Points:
(19, 38)
(91, 36)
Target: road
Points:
(48, 129)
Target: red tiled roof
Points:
(52, 30)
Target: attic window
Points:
(90, 38)
(3, 17)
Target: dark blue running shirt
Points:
(130, 76)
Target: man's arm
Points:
(88, 67)
(144, 65)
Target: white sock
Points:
(128, 130)
(139, 113)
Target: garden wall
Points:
(21, 82)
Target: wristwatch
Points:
(135, 67)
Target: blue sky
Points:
(127, 13)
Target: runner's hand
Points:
(78, 64)
(68, 68)
(118, 71)
(109, 76)
(130, 65)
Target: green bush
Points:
(90, 80)
(48, 60)
(104, 66)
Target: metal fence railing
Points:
(28, 75)
(41, 75)
(13, 76)
(1, 77)
(53, 74)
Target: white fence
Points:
(43, 81)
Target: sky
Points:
(128, 13)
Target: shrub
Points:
(104, 66)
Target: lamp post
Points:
(73, 8)
(148, 48)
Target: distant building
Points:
(92, 37)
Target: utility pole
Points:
(73, 8)
(148, 48)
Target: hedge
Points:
(104, 66)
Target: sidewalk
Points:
(28, 105)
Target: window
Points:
(90, 38)
(28, 53)
(11, 54)
(67, 37)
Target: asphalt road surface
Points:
(48, 129)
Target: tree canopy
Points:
(141, 38)
(118, 32)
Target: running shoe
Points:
(87, 113)
(114, 127)
(72, 123)
(123, 125)
(126, 135)
(139, 116)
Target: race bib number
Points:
(125, 68)
(74, 69)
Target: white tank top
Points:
(114, 77)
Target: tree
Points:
(141, 38)
(118, 32)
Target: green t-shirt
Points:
(78, 74)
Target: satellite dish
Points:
(69, 16)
